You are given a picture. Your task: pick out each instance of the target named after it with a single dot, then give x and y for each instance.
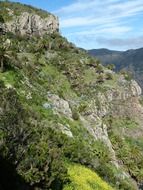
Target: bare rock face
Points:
(135, 89)
(31, 24)
(59, 105)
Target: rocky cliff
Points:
(28, 23)
(60, 109)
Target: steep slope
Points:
(60, 109)
(130, 60)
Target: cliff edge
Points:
(26, 22)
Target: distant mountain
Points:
(131, 60)
(103, 51)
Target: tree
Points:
(1, 19)
(6, 53)
(99, 69)
(127, 74)
(111, 66)
(109, 76)
(100, 78)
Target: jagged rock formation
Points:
(29, 24)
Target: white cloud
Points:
(113, 30)
(104, 6)
(99, 18)
(77, 7)
(85, 5)
(128, 43)
(98, 12)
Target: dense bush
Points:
(128, 150)
(30, 149)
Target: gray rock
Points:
(2, 28)
(31, 24)
(60, 105)
(98, 130)
(50, 55)
(135, 88)
(1, 110)
(47, 105)
(65, 130)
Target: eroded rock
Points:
(60, 105)
(31, 24)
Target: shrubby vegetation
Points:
(85, 179)
(40, 150)
(32, 69)
(17, 8)
(31, 149)
(128, 149)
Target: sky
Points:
(93, 24)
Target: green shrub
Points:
(109, 76)
(111, 66)
(75, 115)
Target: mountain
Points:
(103, 51)
(66, 121)
(130, 60)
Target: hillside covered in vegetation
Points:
(66, 121)
(130, 61)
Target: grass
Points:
(90, 76)
(125, 123)
(111, 83)
(9, 77)
(57, 82)
(18, 8)
(83, 178)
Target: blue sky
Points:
(113, 24)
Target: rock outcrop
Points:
(31, 24)
(59, 105)
(119, 102)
